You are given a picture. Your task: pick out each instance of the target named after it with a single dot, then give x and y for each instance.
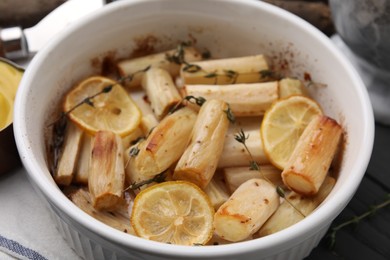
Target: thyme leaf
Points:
(240, 137)
(211, 75)
(280, 192)
(178, 56)
(134, 151)
(194, 100)
(88, 101)
(192, 68)
(269, 74)
(232, 75)
(265, 74)
(107, 89)
(254, 166)
(230, 115)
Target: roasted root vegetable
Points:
(310, 161)
(161, 91)
(246, 210)
(69, 155)
(160, 60)
(200, 159)
(286, 215)
(244, 99)
(246, 69)
(106, 171)
(163, 147)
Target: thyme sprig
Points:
(241, 138)
(331, 235)
(157, 178)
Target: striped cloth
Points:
(17, 250)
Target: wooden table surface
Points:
(370, 238)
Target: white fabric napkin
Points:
(26, 228)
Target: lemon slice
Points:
(175, 212)
(283, 124)
(113, 111)
(10, 76)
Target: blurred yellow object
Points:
(10, 76)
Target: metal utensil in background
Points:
(20, 45)
(17, 43)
